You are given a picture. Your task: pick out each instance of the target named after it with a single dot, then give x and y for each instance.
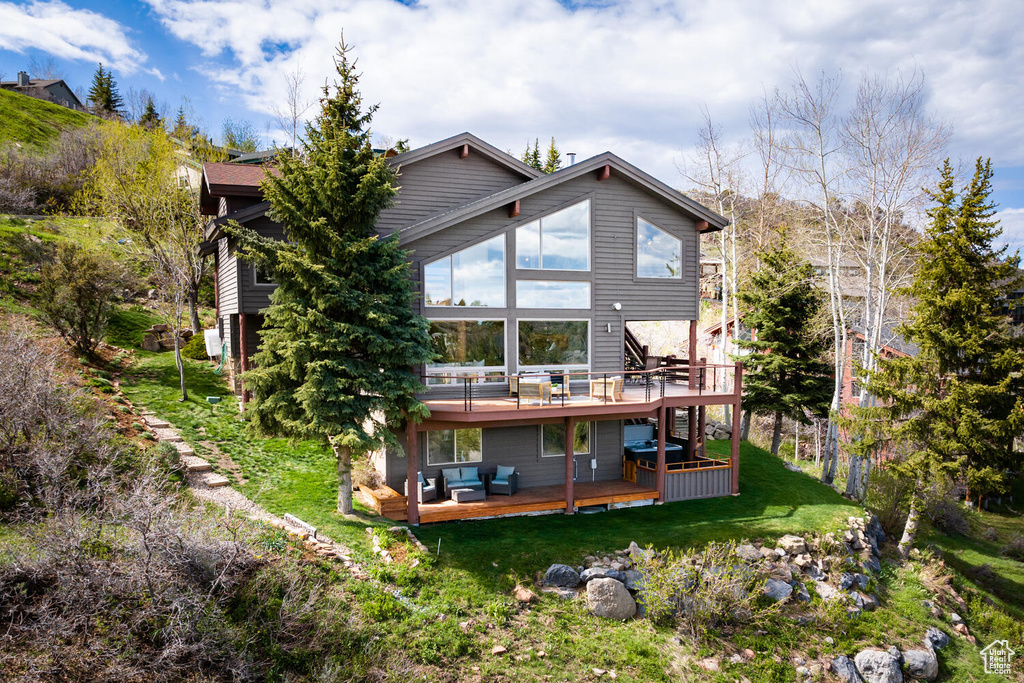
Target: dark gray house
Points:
(529, 281)
(52, 90)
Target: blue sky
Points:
(630, 77)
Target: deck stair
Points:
(636, 353)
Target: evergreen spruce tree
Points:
(553, 162)
(786, 374)
(955, 408)
(150, 118)
(531, 156)
(103, 94)
(181, 129)
(340, 338)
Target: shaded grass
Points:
(34, 122)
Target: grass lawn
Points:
(457, 603)
(35, 123)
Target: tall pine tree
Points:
(150, 118)
(340, 337)
(553, 161)
(531, 156)
(786, 374)
(956, 407)
(103, 94)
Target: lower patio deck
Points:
(533, 499)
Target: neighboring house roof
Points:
(486, 149)
(624, 169)
(892, 341)
(38, 85)
(224, 179)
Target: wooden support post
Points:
(243, 352)
(570, 433)
(513, 210)
(702, 428)
(464, 152)
(691, 354)
(412, 469)
(216, 290)
(659, 470)
(605, 172)
(691, 433)
(737, 413)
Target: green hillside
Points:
(33, 122)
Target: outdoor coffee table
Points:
(466, 495)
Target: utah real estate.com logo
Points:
(998, 657)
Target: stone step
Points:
(168, 435)
(214, 480)
(195, 464)
(183, 448)
(157, 423)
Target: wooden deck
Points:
(635, 401)
(536, 499)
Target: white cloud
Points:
(74, 34)
(625, 76)
(1012, 223)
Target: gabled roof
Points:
(476, 144)
(623, 169)
(243, 216)
(225, 179)
(39, 84)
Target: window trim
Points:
(255, 279)
(589, 198)
(569, 367)
(426, 447)
(637, 217)
(504, 274)
(591, 433)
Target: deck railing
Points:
(702, 464)
(654, 383)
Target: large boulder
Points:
(601, 573)
(921, 663)
(872, 564)
(878, 666)
(562, 576)
(935, 638)
(776, 590)
(747, 553)
(609, 599)
(633, 579)
(793, 545)
(826, 591)
(844, 669)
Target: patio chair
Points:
(610, 389)
(535, 386)
(461, 478)
(560, 385)
(505, 481)
(427, 487)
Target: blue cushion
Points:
(452, 475)
(470, 474)
(422, 480)
(504, 473)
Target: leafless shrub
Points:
(35, 182)
(1015, 548)
(702, 591)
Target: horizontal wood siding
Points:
(227, 277)
(519, 447)
(257, 297)
(615, 206)
(442, 182)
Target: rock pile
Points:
(610, 584)
(712, 430)
(160, 337)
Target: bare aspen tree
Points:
(814, 151)
(716, 174)
(893, 148)
(289, 117)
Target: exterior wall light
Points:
(617, 306)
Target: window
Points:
(452, 446)
(553, 439)
(559, 343)
(552, 294)
(261, 278)
(467, 348)
(560, 241)
(472, 277)
(658, 254)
